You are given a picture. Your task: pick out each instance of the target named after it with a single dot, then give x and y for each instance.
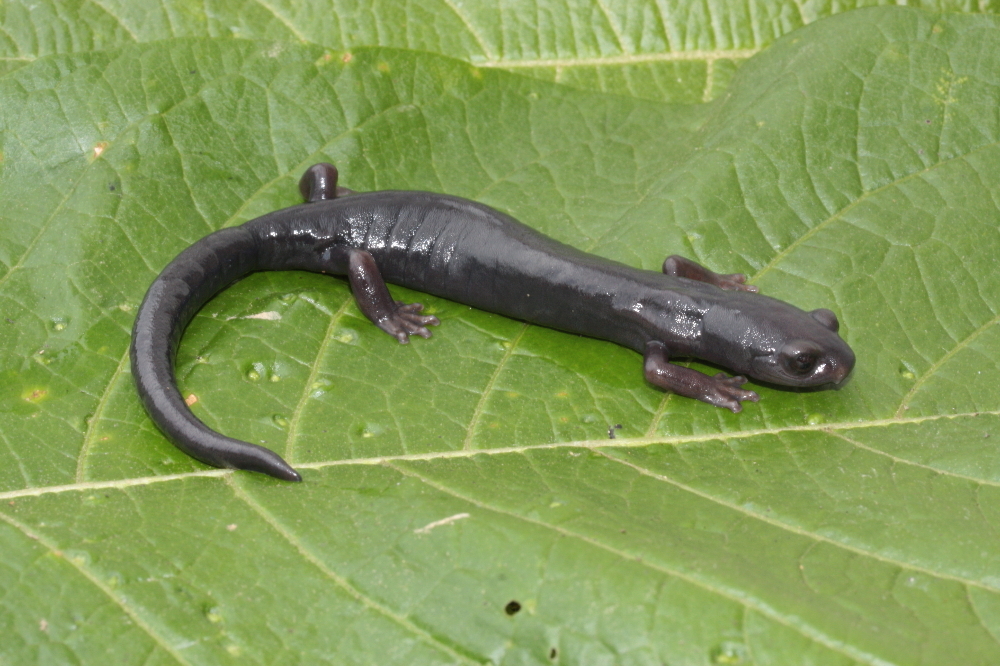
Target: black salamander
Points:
(467, 252)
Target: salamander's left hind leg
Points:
(398, 319)
(319, 182)
(692, 270)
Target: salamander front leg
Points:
(398, 319)
(720, 390)
(319, 182)
(682, 267)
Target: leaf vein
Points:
(99, 584)
(293, 427)
(865, 196)
(488, 389)
(734, 595)
(88, 435)
(794, 529)
(442, 455)
(937, 365)
(626, 59)
(336, 578)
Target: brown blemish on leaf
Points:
(36, 395)
(99, 148)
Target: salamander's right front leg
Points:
(398, 319)
(720, 390)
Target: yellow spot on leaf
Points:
(946, 86)
(35, 395)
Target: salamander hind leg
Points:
(720, 390)
(682, 267)
(398, 319)
(319, 183)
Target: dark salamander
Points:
(467, 252)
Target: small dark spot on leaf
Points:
(112, 187)
(192, 71)
(553, 653)
(512, 608)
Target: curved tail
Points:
(185, 285)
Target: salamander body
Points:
(468, 252)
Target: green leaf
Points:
(853, 165)
(663, 50)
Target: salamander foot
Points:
(725, 391)
(406, 321)
(720, 390)
(683, 267)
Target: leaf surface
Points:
(852, 165)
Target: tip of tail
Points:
(253, 458)
(279, 469)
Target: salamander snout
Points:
(843, 369)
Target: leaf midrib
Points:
(621, 442)
(601, 447)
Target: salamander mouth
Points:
(842, 375)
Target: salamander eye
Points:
(800, 357)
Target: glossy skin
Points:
(467, 252)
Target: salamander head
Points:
(781, 344)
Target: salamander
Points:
(465, 251)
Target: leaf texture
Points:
(854, 164)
